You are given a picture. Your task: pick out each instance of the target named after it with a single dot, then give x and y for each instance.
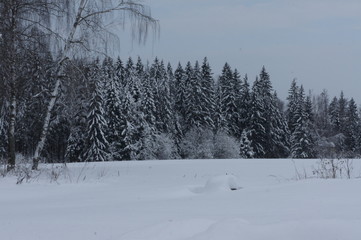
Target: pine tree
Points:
(257, 128)
(292, 106)
(119, 74)
(127, 129)
(78, 96)
(188, 97)
(96, 142)
(342, 114)
(113, 111)
(208, 95)
(245, 105)
(322, 120)
(161, 92)
(309, 110)
(334, 111)
(229, 87)
(180, 93)
(172, 83)
(220, 123)
(302, 145)
(148, 102)
(352, 128)
(198, 104)
(132, 82)
(268, 128)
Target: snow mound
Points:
(219, 183)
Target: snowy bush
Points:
(160, 147)
(197, 144)
(225, 146)
(164, 147)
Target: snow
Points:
(181, 200)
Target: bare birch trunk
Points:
(61, 62)
(11, 160)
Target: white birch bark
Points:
(60, 68)
(11, 161)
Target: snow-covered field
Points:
(181, 200)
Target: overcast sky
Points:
(316, 41)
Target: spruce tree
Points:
(334, 111)
(113, 111)
(229, 87)
(161, 92)
(96, 143)
(352, 128)
(292, 106)
(302, 145)
(342, 112)
(257, 128)
(245, 105)
(208, 95)
(268, 128)
(188, 97)
(180, 92)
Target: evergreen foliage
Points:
(116, 111)
(96, 148)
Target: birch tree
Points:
(18, 19)
(90, 18)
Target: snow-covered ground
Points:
(181, 200)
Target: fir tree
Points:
(208, 95)
(302, 145)
(229, 86)
(197, 112)
(180, 93)
(334, 111)
(161, 91)
(309, 110)
(342, 108)
(119, 74)
(132, 82)
(127, 129)
(113, 112)
(189, 97)
(257, 128)
(96, 142)
(352, 128)
(220, 123)
(268, 127)
(245, 105)
(292, 106)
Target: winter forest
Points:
(113, 110)
(226, 154)
(107, 109)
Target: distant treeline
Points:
(114, 110)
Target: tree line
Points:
(127, 110)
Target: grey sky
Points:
(316, 41)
